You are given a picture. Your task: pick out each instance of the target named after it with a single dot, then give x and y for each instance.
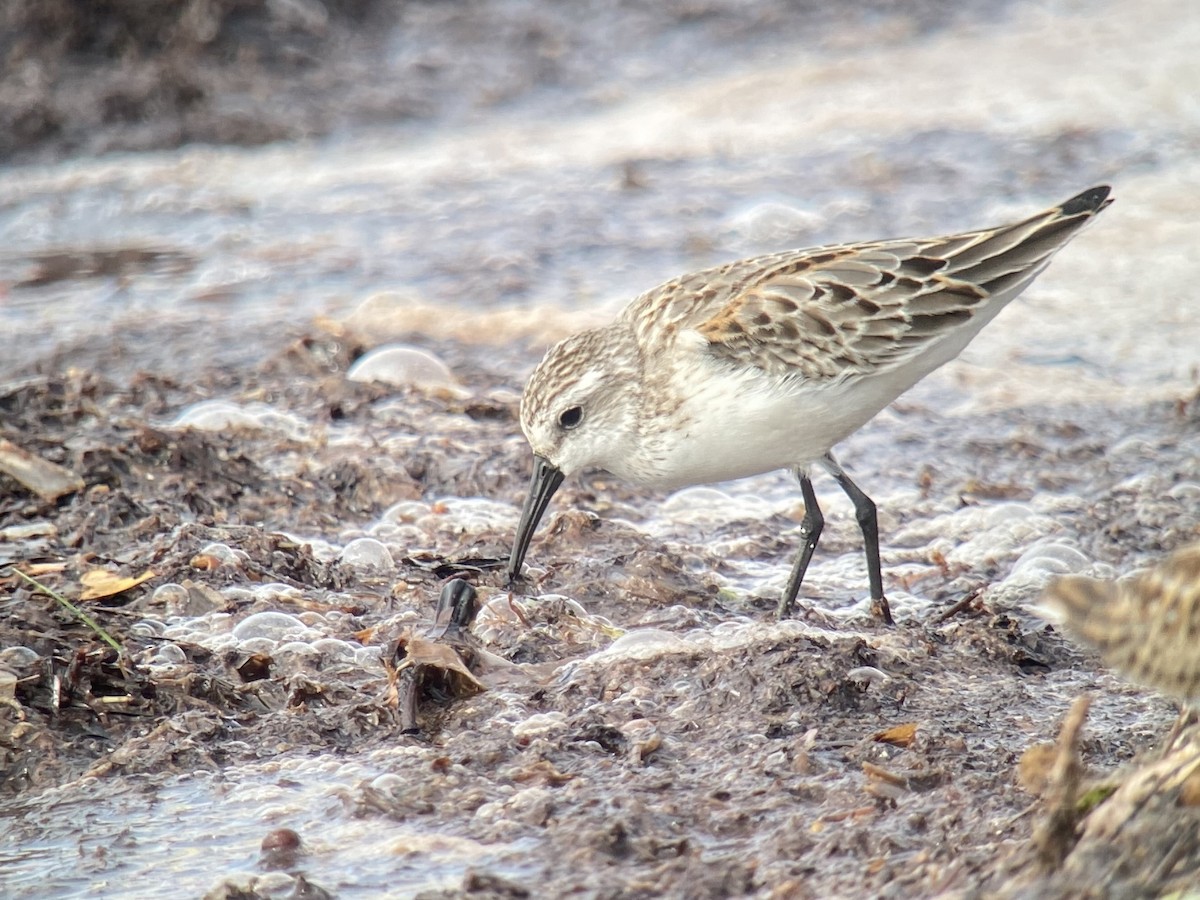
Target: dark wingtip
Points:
(1090, 201)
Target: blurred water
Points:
(871, 134)
(587, 210)
(139, 838)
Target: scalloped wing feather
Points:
(849, 310)
(1148, 626)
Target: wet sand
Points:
(179, 326)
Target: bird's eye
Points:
(571, 417)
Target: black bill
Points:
(545, 481)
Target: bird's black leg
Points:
(810, 533)
(864, 511)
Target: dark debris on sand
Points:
(804, 762)
(130, 75)
(819, 758)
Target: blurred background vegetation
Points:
(98, 75)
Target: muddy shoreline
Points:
(121, 76)
(266, 537)
(651, 767)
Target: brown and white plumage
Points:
(1146, 627)
(860, 309)
(767, 363)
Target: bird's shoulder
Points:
(819, 314)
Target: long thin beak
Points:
(545, 481)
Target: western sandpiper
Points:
(767, 363)
(1147, 627)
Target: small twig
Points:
(408, 690)
(958, 607)
(83, 617)
(1055, 837)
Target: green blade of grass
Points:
(83, 617)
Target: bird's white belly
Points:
(733, 424)
(732, 429)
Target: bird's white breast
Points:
(731, 424)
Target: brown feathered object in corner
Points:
(1147, 627)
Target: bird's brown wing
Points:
(847, 310)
